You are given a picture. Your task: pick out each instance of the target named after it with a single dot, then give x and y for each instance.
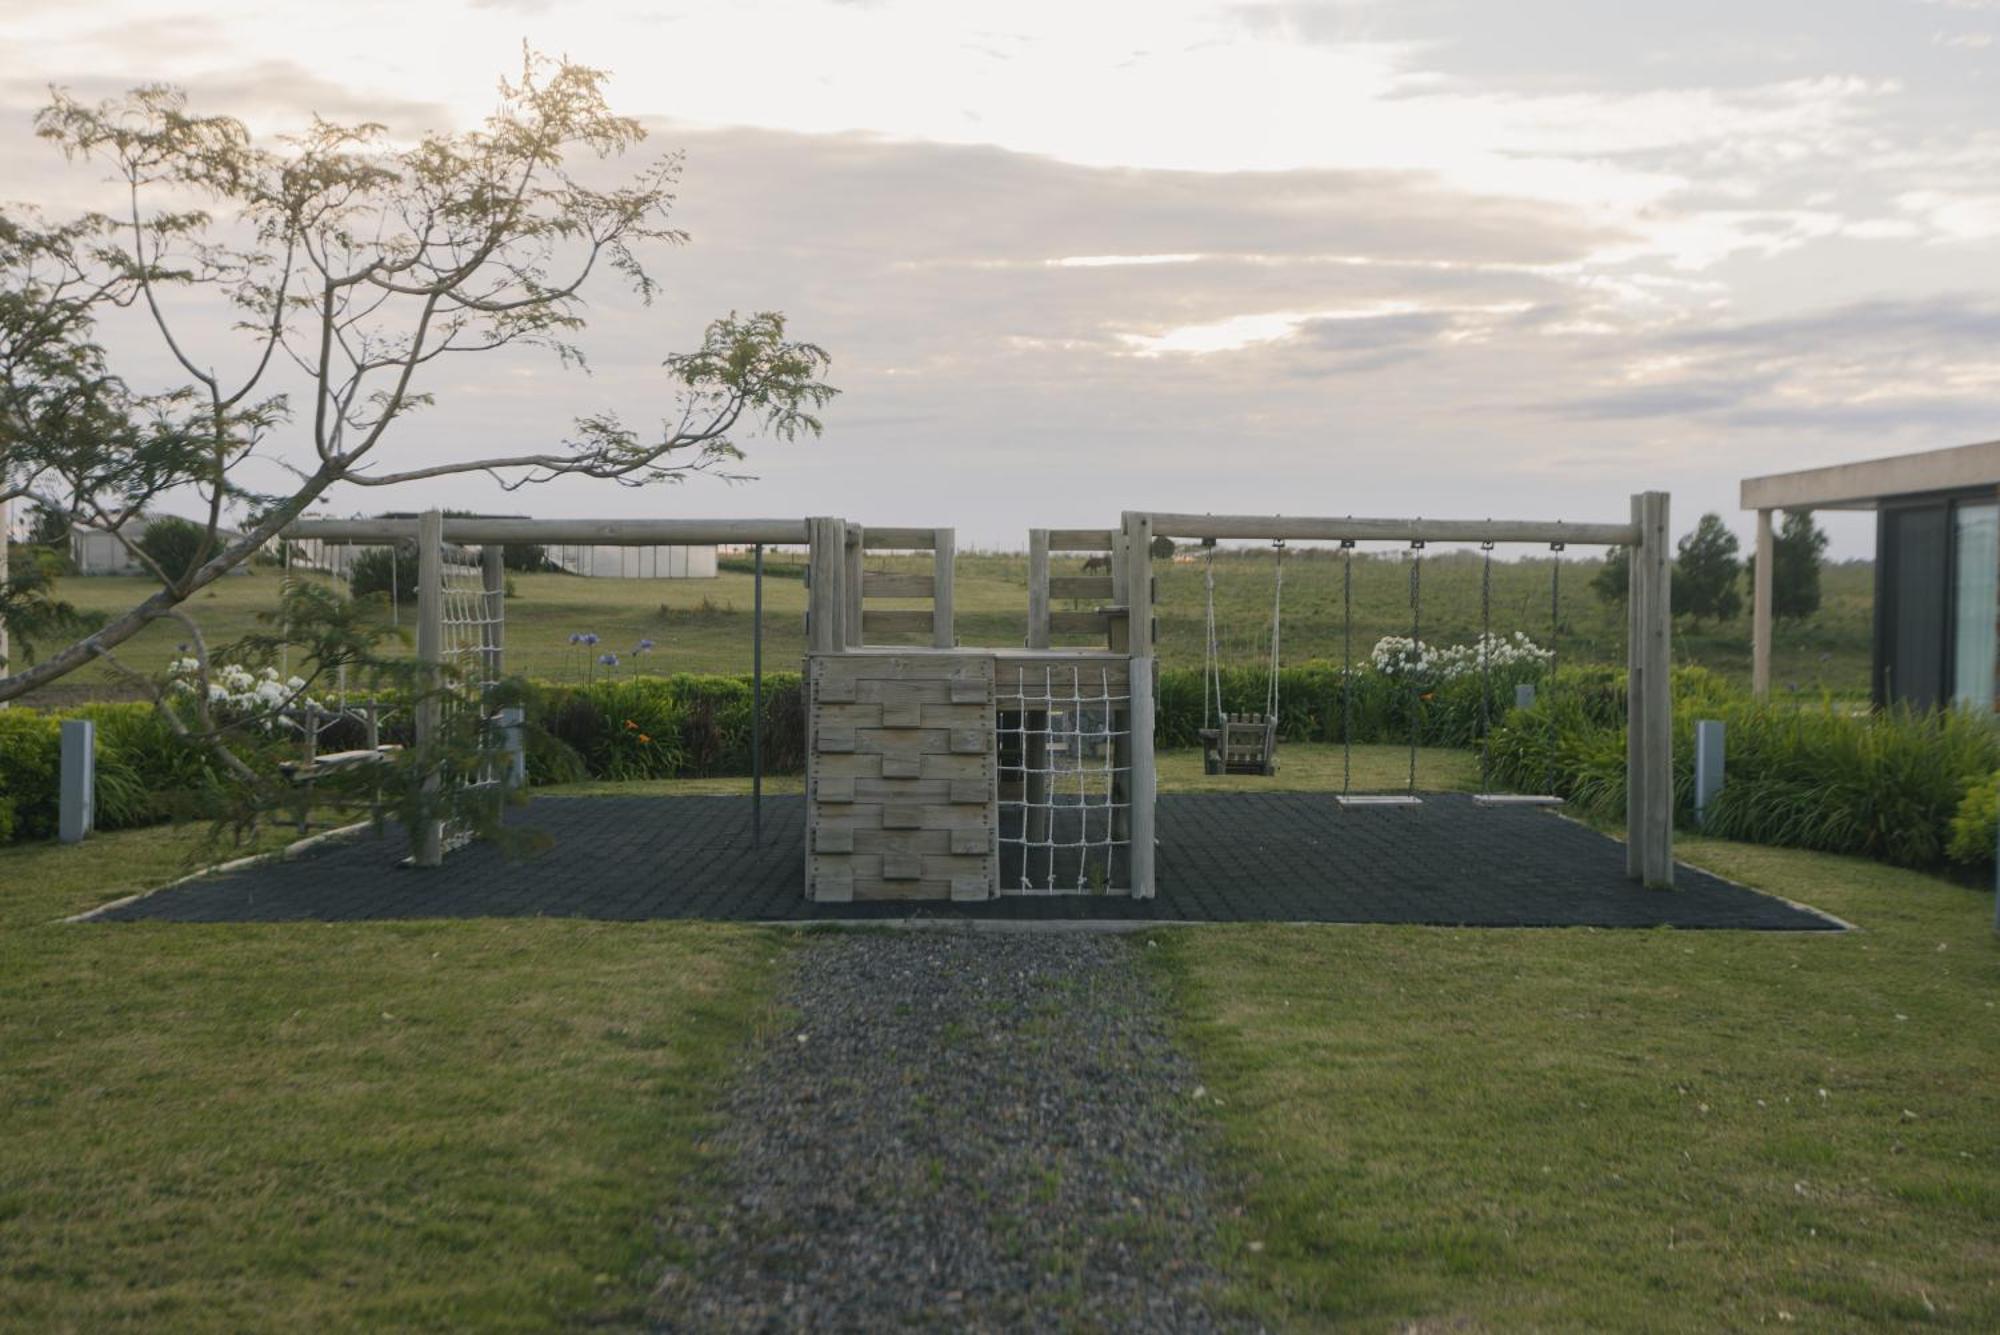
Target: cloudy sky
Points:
(1440, 257)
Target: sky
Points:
(1445, 258)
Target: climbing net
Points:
(472, 621)
(1065, 782)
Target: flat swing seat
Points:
(1244, 744)
(1380, 800)
(1516, 800)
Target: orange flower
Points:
(644, 738)
(630, 726)
(1428, 695)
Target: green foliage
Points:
(378, 571)
(174, 545)
(1886, 785)
(29, 606)
(1612, 582)
(145, 773)
(681, 726)
(1796, 551)
(1705, 578)
(1976, 824)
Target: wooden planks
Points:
(1097, 588)
(901, 801)
(895, 621)
(890, 584)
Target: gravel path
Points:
(957, 1131)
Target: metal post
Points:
(757, 701)
(427, 840)
(1708, 761)
(78, 813)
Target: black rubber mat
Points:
(1228, 857)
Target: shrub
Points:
(1891, 785)
(379, 570)
(1976, 824)
(173, 543)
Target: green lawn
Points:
(1613, 1130)
(452, 1125)
(472, 1124)
(705, 625)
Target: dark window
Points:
(1914, 550)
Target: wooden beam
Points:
(1658, 868)
(1144, 782)
(902, 539)
(1637, 591)
(493, 584)
(1320, 529)
(1075, 623)
(1080, 539)
(1861, 484)
(595, 532)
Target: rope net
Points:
(472, 620)
(1065, 782)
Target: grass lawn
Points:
(1614, 1130)
(464, 1125)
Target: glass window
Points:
(1975, 603)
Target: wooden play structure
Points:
(941, 771)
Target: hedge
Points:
(1898, 785)
(145, 774)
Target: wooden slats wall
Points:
(901, 797)
(1079, 539)
(1078, 623)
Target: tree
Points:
(1796, 550)
(1705, 577)
(173, 544)
(1612, 583)
(353, 266)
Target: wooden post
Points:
(1144, 780)
(944, 562)
(493, 639)
(427, 840)
(1637, 590)
(1760, 610)
(853, 575)
(1038, 588)
(1658, 684)
(826, 601)
(1649, 759)
(1138, 567)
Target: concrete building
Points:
(1937, 567)
(98, 551)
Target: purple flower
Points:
(609, 660)
(588, 638)
(645, 646)
(576, 638)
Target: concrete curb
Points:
(275, 855)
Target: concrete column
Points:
(77, 812)
(1760, 610)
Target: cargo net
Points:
(472, 622)
(1065, 783)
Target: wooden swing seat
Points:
(1244, 744)
(1380, 800)
(1516, 800)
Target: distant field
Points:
(704, 625)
